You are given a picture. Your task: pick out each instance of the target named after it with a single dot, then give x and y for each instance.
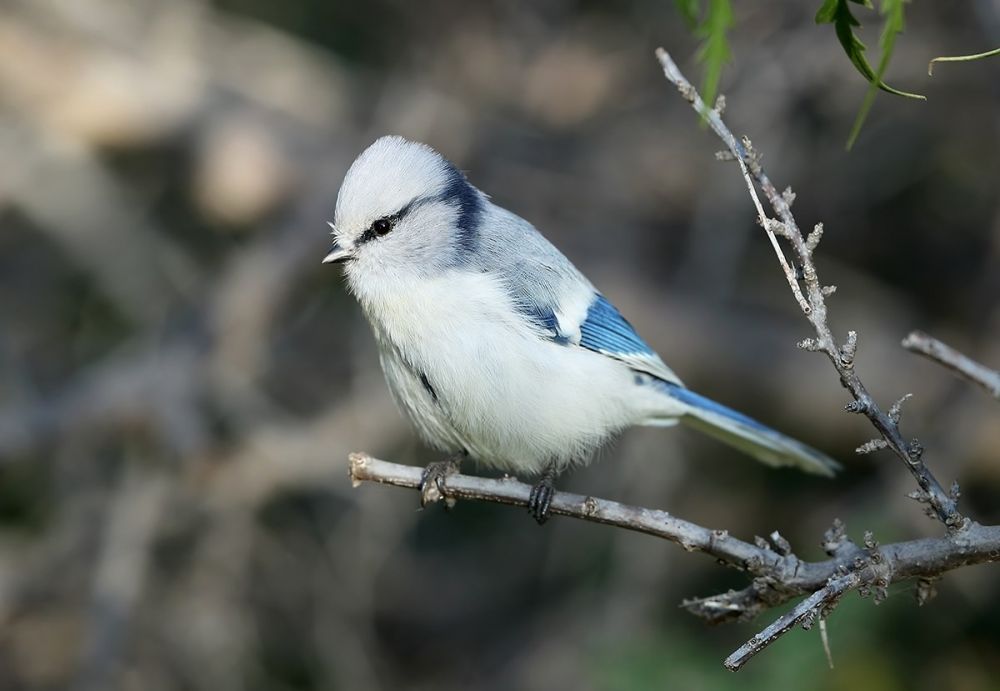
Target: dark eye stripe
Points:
(372, 232)
(378, 228)
(459, 194)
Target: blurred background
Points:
(181, 380)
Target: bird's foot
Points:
(541, 495)
(432, 481)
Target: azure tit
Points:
(493, 343)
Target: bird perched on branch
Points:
(495, 345)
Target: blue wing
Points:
(606, 331)
(556, 298)
(603, 330)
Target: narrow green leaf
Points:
(892, 10)
(838, 13)
(714, 52)
(961, 58)
(828, 12)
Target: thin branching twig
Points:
(842, 357)
(941, 504)
(779, 575)
(919, 342)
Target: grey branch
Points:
(778, 574)
(919, 342)
(941, 502)
(803, 613)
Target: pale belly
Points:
(474, 376)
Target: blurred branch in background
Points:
(946, 356)
(144, 146)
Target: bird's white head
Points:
(403, 210)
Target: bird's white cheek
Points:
(382, 289)
(354, 273)
(366, 272)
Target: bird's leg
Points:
(541, 495)
(432, 480)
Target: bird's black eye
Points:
(382, 226)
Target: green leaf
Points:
(828, 12)
(838, 13)
(690, 10)
(714, 52)
(893, 26)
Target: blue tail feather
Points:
(743, 432)
(701, 402)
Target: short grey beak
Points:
(337, 255)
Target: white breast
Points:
(512, 398)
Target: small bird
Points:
(493, 342)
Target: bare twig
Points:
(779, 575)
(692, 537)
(737, 151)
(910, 452)
(919, 342)
(820, 601)
(942, 504)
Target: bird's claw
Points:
(432, 481)
(540, 499)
